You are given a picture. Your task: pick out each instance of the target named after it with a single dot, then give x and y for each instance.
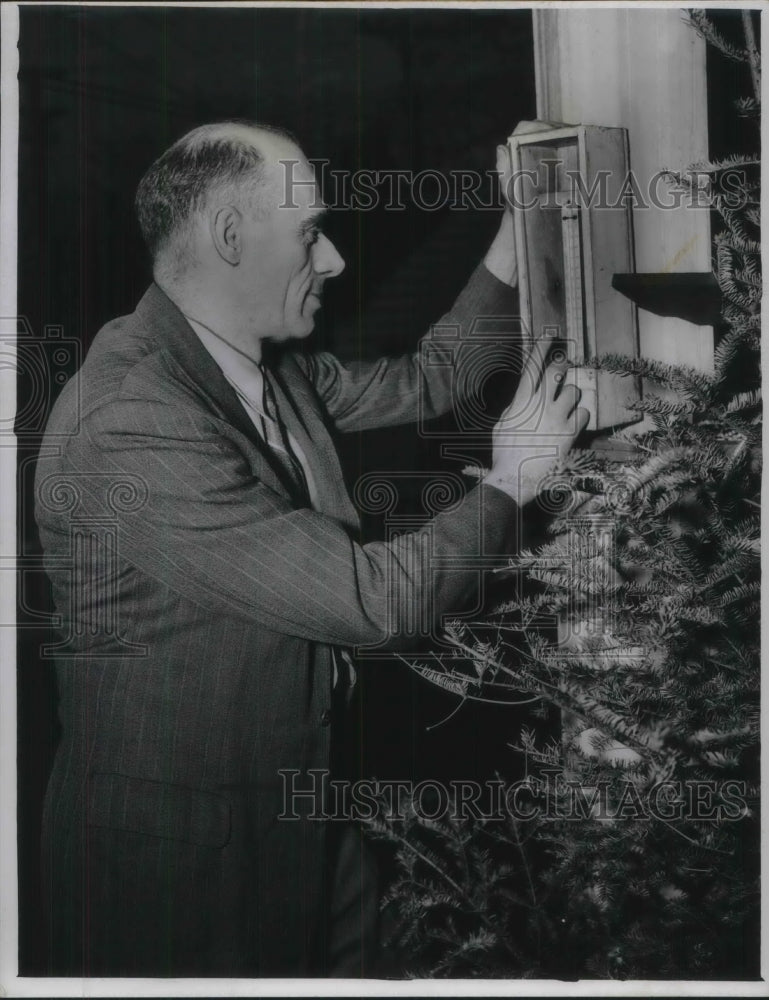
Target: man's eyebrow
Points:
(313, 220)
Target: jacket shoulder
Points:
(124, 361)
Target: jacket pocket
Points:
(157, 809)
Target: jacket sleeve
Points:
(219, 536)
(360, 395)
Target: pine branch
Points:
(754, 57)
(748, 107)
(705, 28)
(691, 383)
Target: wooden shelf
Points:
(692, 295)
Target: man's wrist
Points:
(501, 259)
(520, 492)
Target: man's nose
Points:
(326, 259)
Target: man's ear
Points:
(226, 234)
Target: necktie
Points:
(344, 675)
(277, 436)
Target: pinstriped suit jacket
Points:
(200, 602)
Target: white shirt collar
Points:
(241, 371)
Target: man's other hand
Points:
(537, 429)
(501, 258)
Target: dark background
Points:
(103, 91)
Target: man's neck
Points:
(214, 312)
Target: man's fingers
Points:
(504, 173)
(534, 363)
(570, 396)
(537, 125)
(582, 418)
(555, 378)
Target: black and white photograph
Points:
(381, 499)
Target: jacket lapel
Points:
(299, 405)
(166, 323)
(303, 415)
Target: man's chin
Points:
(305, 328)
(306, 323)
(295, 334)
(299, 331)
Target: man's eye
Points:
(312, 236)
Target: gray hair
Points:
(180, 181)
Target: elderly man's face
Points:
(286, 256)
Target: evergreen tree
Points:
(640, 856)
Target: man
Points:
(203, 555)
